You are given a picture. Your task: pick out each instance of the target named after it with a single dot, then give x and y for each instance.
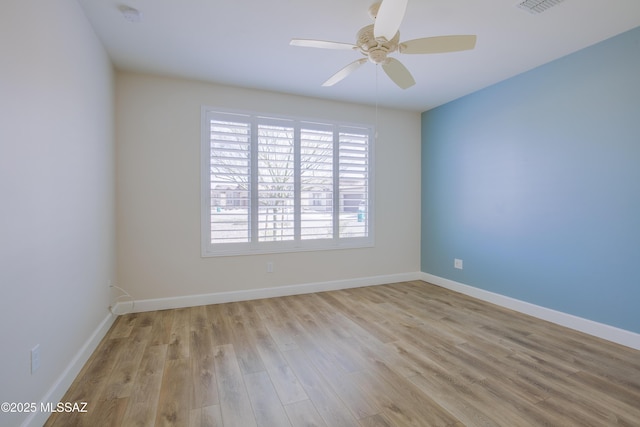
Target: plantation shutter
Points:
(274, 184)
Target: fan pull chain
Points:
(375, 136)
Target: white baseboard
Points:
(251, 294)
(62, 384)
(600, 330)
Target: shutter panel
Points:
(276, 204)
(316, 181)
(353, 183)
(230, 144)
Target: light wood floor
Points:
(405, 354)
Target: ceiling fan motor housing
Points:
(376, 49)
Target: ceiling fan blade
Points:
(441, 44)
(322, 44)
(389, 17)
(344, 72)
(398, 73)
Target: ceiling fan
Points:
(382, 38)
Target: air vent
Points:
(538, 6)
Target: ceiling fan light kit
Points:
(382, 38)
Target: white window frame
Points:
(209, 249)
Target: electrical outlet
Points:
(457, 263)
(35, 358)
(269, 267)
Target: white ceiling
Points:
(246, 43)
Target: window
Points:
(272, 184)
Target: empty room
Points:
(251, 213)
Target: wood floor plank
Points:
(285, 381)
(625, 397)
(143, 402)
(267, 407)
(329, 405)
(574, 414)
(304, 414)
(509, 408)
(359, 403)
(123, 325)
(220, 322)
(179, 338)
(209, 416)
(174, 400)
(360, 312)
(597, 402)
(393, 406)
(110, 412)
(245, 347)
(120, 381)
(404, 399)
(403, 354)
(456, 398)
(161, 327)
(235, 406)
(204, 385)
(281, 329)
(319, 326)
(430, 353)
(377, 420)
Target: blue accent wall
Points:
(535, 184)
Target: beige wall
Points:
(158, 193)
(57, 220)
